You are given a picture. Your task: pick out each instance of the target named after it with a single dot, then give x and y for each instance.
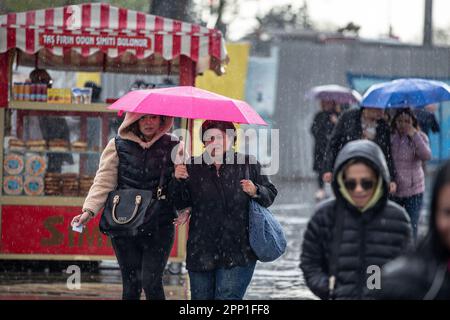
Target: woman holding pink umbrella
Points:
(216, 191)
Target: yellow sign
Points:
(83, 77)
(231, 84)
(55, 95)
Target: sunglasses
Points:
(366, 184)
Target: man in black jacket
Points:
(356, 233)
(354, 124)
(321, 129)
(427, 120)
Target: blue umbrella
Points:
(401, 93)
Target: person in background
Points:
(140, 84)
(52, 127)
(362, 123)
(358, 229)
(321, 129)
(96, 90)
(410, 149)
(425, 273)
(427, 120)
(41, 76)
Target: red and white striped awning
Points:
(168, 39)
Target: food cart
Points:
(37, 201)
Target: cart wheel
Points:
(174, 268)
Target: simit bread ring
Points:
(13, 185)
(34, 186)
(35, 166)
(13, 164)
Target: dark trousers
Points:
(412, 205)
(320, 182)
(142, 260)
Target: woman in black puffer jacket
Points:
(425, 274)
(359, 229)
(139, 157)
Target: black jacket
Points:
(321, 129)
(373, 237)
(141, 169)
(218, 228)
(349, 129)
(416, 277)
(425, 273)
(427, 121)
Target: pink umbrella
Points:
(188, 102)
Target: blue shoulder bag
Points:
(266, 235)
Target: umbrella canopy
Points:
(401, 93)
(188, 102)
(334, 92)
(98, 36)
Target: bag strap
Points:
(438, 281)
(337, 239)
(162, 179)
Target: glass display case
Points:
(54, 153)
(50, 154)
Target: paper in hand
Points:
(77, 229)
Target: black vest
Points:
(141, 168)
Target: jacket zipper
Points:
(362, 258)
(219, 184)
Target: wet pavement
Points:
(102, 284)
(281, 279)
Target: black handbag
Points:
(128, 210)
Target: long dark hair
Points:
(409, 113)
(432, 244)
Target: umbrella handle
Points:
(185, 136)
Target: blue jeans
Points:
(221, 284)
(412, 205)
